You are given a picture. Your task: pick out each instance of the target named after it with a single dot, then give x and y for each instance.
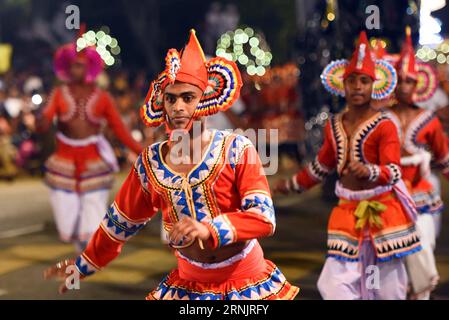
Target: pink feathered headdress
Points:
(66, 55)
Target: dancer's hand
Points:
(60, 271)
(281, 187)
(188, 229)
(359, 170)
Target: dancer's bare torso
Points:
(79, 127)
(348, 179)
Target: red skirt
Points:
(251, 278)
(395, 238)
(426, 198)
(78, 169)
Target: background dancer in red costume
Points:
(81, 171)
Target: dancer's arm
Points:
(134, 205)
(438, 142)
(117, 125)
(45, 118)
(388, 171)
(315, 171)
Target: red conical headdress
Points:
(193, 64)
(406, 65)
(361, 61)
(218, 78)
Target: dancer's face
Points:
(180, 102)
(405, 89)
(358, 89)
(78, 71)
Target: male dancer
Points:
(419, 131)
(214, 206)
(373, 224)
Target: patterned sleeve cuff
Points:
(222, 231)
(213, 240)
(374, 172)
(261, 204)
(293, 185)
(85, 266)
(395, 173)
(317, 170)
(118, 226)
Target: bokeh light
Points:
(438, 53)
(106, 45)
(247, 48)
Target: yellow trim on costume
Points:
(345, 234)
(90, 261)
(212, 170)
(268, 277)
(240, 155)
(257, 191)
(126, 217)
(393, 230)
(292, 293)
(231, 226)
(110, 235)
(172, 213)
(214, 131)
(206, 198)
(192, 290)
(153, 176)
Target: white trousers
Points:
(78, 216)
(422, 268)
(365, 279)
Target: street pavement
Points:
(29, 244)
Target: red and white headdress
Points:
(423, 73)
(218, 78)
(362, 62)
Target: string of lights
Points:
(106, 45)
(247, 48)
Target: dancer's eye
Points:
(350, 79)
(188, 99)
(365, 80)
(170, 99)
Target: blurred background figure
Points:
(8, 169)
(80, 172)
